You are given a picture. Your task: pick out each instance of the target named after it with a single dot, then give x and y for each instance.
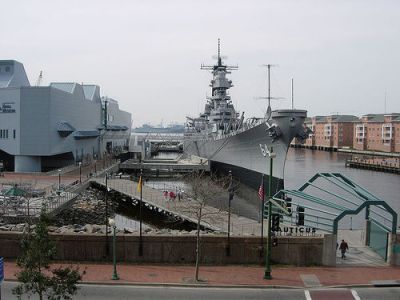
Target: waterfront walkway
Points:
(213, 218)
(358, 254)
(235, 275)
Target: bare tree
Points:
(205, 189)
(36, 275)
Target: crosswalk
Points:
(331, 294)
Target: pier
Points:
(213, 219)
(374, 166)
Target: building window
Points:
(3, 133)
(14, 134)
(7, 69)
(327, 130)
(387, 133)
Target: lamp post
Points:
(272, 155)
(106, 217)
(80, 172)
(59, 179)
(140, 214)
(230, 190)
(115, 274)
(262, 215)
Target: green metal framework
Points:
(326, 211)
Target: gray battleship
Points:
(231, 143)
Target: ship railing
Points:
(248, 124)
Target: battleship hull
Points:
(240, 152)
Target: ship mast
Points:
(269, 98)
(219, 62)
(292, 95)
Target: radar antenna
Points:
(269, 98)
(219, 64)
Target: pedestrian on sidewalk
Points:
(172, 195)
(343, 248)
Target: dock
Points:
(382, 167)
(213, 218)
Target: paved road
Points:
(99, 292)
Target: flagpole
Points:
(262, 216)
(228, 248)
(140, 214)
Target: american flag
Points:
(261, 191)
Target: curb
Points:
(227, 286)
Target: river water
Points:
(302, 164)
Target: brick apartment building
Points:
(378, 132)
(331, 132)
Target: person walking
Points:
(343, 248)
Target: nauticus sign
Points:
(7, 107)
(294, 231)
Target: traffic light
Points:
(275, 222)
(274, 241)
(300, 215)
(288, 204)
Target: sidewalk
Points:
(251, 276)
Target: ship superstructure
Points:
(231, 143)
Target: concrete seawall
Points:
(299, 251)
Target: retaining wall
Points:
(394, 249)
(299, 251)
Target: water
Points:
(302, 164)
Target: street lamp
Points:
(272, 155)
(80, 172)
(106, 217)
(140, 213)
(59, 179)
(115, 274)
(231, 193)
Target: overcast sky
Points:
(343, 55)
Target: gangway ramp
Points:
(177, 166)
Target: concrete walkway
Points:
(249, 276)
(358, 254)
(212, 218)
